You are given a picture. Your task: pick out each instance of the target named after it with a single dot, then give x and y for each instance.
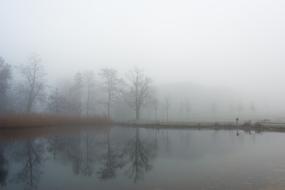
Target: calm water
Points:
(128, 158)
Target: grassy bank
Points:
(258, 127)
(44, 120)
(24, 121)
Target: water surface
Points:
(137, 158)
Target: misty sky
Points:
(236, 44)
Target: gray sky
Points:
(238, 44)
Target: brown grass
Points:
(44, 120)
(7, 134)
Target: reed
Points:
(46, 120)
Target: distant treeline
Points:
(25, 89)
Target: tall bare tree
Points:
(75, 95)
(139, 90)
(154, 104)
(111, 85)
(90, 84)
(34, 85)
(5, 76)
(167, 107)
(55, 102)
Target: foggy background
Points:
(213, 60)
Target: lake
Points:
(138, 158)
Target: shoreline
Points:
(37, 121)
(259, 127)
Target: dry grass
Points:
(44, 120)
(7, 134)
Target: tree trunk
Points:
(137, 114)
(29, 105)
(88, 102)
(109, 105)
(167, 115)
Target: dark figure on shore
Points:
(237, 119)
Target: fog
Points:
(222, 59)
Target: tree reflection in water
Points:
(3, 166)
(77, 150)
(112, 160)
(112, 155)
(30, 157)
(139, 154)
(88, 160)
(82, 151)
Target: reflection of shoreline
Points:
(26, 133)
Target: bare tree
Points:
(111, 85)
(89, 81)
(56, 102)
(139, 90)
(34, 85)
(67, 97)
(154, 104)
(167, 107)
(75, 95)
(5, 75)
